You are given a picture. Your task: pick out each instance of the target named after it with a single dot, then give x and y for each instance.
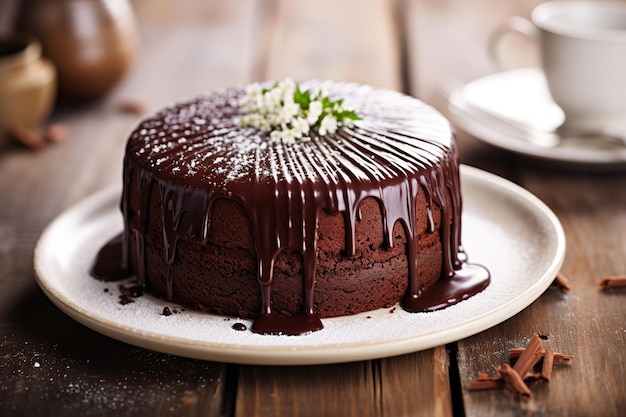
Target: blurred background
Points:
(157, 51)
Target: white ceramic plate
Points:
(521, 95)
(505, 228)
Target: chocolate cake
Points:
(229, 218)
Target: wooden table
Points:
(51, 365)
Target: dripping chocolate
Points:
(215, 212)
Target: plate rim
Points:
(304, 355)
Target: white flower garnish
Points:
(288, 113)
(315, 111)
(329, 124)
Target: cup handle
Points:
(515, 24)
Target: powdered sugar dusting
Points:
(202, 138)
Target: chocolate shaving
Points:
(27, 137)
(484, 377)
(515, 353)
(529, 357)
(532, 379)
(558, 357)
(134, 107)
(484, 381)
(524, 374)
(513, 380)
(548, 364)
(560, 283)
(55, 133)
(483, 384)
(612, 282)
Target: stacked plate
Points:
(513, 110)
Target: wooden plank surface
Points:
(447, 41)
(587, 322)
(51, 365)
(351, 41)
(397, 386)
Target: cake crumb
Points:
(127, 294)
(167, 311)
(124, 299)
(239, 327)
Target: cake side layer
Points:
(220, 275)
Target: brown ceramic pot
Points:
(27, 84)
(91, 42)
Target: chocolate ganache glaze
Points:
(194, 153)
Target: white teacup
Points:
(583, 50)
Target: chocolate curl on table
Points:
(513, 380)
(55, 133)
(547, 365)
(529, 358)
(33, 139)
(558, 357)
(561, 283)
(612, 282)
(27, 137)
(514, 353)
(520, 378)
(134, 107)
(485, 381)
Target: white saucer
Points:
(505, 228)
(522, 96)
